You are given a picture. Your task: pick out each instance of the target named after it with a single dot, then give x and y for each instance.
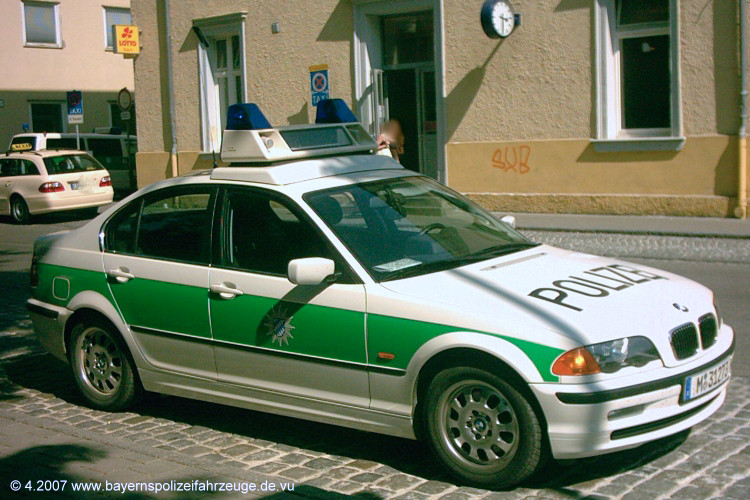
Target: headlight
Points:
(606, 357)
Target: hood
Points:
(586, 298)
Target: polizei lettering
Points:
(597, 283)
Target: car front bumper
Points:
(646, 407)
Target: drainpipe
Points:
(170, 86)
(741, 210)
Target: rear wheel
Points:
(19, 210)
(102, 368)
(482, 429)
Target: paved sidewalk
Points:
(627, 224)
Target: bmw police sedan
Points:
(315, 279)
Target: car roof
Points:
(305, 170)
(44, 153)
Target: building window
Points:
(221, 57)
(46, 117)
(41, 23)
(638, 69)
(113, 16)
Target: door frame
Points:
(368, 56)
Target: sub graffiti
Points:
(512, 158)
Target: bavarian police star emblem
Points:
(280, 327)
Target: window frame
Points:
(142, 201)
(211, 29)
(107, 28)
(58, 24)
(63, 121)
(221, 232)
(610, 107)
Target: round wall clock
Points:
(498, 18)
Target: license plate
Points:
(73, 185)
(701, 383)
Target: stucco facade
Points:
(519, 121)
(43, 74)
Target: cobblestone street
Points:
(46, 433)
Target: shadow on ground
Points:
(46, 374)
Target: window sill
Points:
(43, 46)
(638, 144)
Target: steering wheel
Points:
(431, 227)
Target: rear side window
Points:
(28, 167)
(172, 224)
(69, 164)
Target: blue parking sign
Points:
(75, 107)
(319, 87)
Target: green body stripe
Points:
(318, 331)
(80, 280)
(403, 337)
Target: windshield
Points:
(69, 164)
(410, 226)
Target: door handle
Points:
(8, 183)
(226, 291)
(121, 274)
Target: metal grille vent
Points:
(708, 328)
(684, 340)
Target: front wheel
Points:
(101, 366)
(482, 429)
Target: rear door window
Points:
(172, 224)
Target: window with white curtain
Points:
(41, 23)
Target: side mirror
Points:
(509, 220)
(310, 271)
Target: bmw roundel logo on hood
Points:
(680, 308)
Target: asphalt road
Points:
(729, 280)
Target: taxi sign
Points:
(75, 107)
(126, 39)
(319, 88)
(21, 146)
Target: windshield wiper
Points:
(505, 249)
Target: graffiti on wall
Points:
(512, 158)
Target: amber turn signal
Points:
(579, 361)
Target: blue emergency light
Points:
(246, 116)
(334, 111)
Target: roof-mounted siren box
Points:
(250, 139)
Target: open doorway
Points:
(399, 76)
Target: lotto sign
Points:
(126, 39)
(75, 107)
(319, 83)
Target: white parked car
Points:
(38, 182)
(315, 279)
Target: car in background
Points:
(37, 182)
(115, 151)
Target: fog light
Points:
(625, 412)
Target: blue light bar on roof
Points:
(246, 116)
(334, 111)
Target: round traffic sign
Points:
(74, 99)
(124, 99)
(319, 82)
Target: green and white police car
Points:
(315, 279)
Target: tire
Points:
(19, 210)
(482, 429)
(102, 367)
